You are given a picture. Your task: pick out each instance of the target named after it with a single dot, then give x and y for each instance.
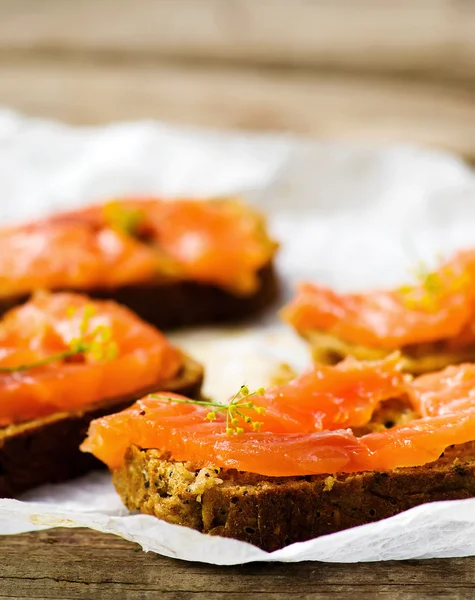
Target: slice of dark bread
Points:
(272, 512)
(172, 304)
(46, 450)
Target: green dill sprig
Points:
(98, 344)
(429, 286)
(236, 419)
(126, 219)
(424, 295)
(433, 286)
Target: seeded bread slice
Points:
(416, 358)
(273, 512)
(46, 450)
(172, 304)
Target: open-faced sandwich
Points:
(174, 263)
(65, 360)
(432, 323)
(338, 446)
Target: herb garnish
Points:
(433, 286)
(126, 219)
(98, 343)
(236, 420)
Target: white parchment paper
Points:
(349, 215)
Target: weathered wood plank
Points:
(329, 105)
(407, 35)
(83, 564)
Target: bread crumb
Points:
(329, 483)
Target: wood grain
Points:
(80, 564)
(326, 106)
(432, 36)
(208, 62)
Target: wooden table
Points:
(381, 70)
(82, 564)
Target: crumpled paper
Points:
(349, 215)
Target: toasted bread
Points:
(186, 303)
(172, 304)
(417, 359)
(46, 450)
(273, 512)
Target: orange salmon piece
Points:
(217, 242)
(445, 392)
(440, 307)
(181, 430)
(45, 326)
(62, 255)
(417, 443)
(134, 241)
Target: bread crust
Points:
(172, 304)
(273, 512)
(46, 450)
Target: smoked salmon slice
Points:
(50, 325)
(321, 398)
(182, 430)
(439, 307)
(291, 439)
(130, 241)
